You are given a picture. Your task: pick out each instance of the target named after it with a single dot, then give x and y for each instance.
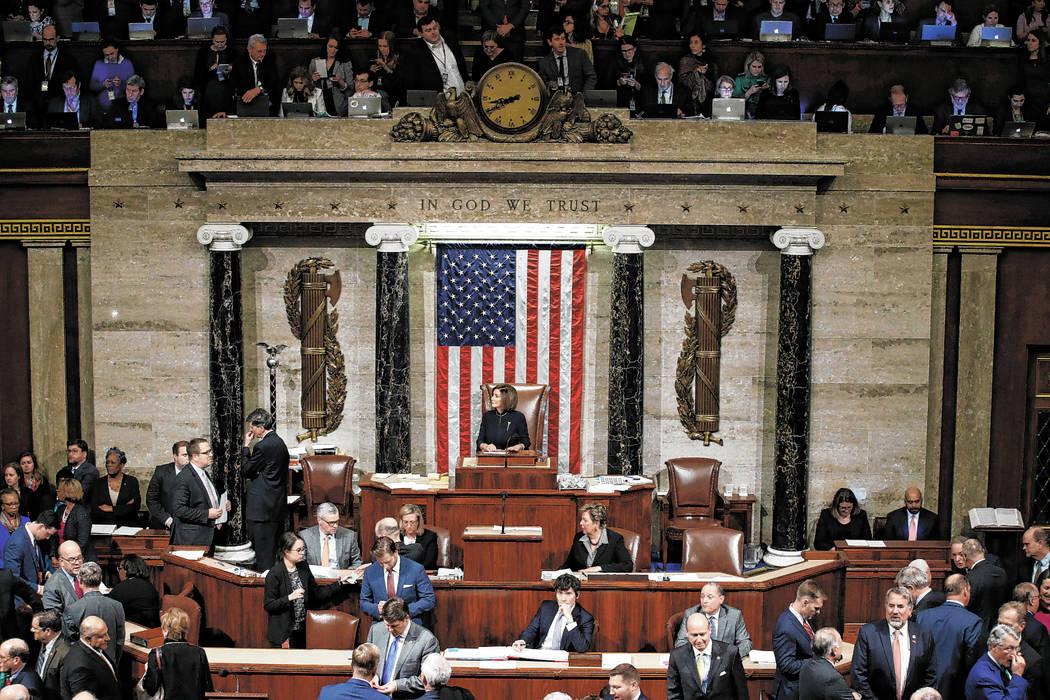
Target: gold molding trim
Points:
(53, 229)
(1028, 236)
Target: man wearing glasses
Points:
(63, 589)
(328, 544)
(999, 673)
(196, 502)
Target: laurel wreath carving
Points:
(685, 374)
(335, 363)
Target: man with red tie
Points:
(392, 576)
(87, 666)
(63, 589)
(793, 637)
(912, 522)
(893, 657)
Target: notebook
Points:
(895, 32)
(63, 120)
(259, 107)
(420, 98)
(138, 31)
(13, 121)
(297, 110)
(17, 30)
(1018, 130)
(996, 36)
(968, 125)
(931, 32)
(86, 31)
(601, 98)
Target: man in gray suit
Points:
(819, 680)
(329, 544)
(60, 591)
(728, 623)
(95, 604)
(405, 644)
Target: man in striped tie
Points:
(792, 638)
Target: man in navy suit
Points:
(363, 663)
(956, 635)
(912, 522)
(999, 674)
(1036, 545)
(14, 655)
(393, 576)
(916, 578)
(87, 665)
(893, 657)
(24, 555)
(195, 506)
(1035, 632)
(989, 586)
(266, 504)
(820, 680)
(793, 636)
(161, 490)
(624, 684)
(76, 455)
(705, 668)
(560, 623)
(1012, 614)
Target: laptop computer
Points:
(938, 36)
(259, 107)
(200, 27)
(64, 121)
(831, 122)
(893, 32)
(297, 110)
(661, 112)
(847, 31)
(367, 106)
(17, 30)
(902, 126)
(727, 109)
(15, 121)
(420, 98)
(139, 31)
(775, 30)
(996, 36)
(1018, 130)
(182, 119)
(292, 28)
(968, 125)
(601, 98)
(86, 31)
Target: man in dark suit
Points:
(436, 672)
(13, 103)
(42, 77)
(1013, 614)
(507, 19)
(134, 110)
(393, 576)
(959, 102)
(94, 604)
(47, 631)
(89, 115)
(12, 588)
(898, 106)
(434, 62)
(1035, 633)
(662, 97)
(793, 636)
(266, 503)
(882, 669)
(819, 680)
(917, 580)
(88, 667)
(77, 450)
(14, 657)
(912, 522)
(956, 636)
(25, 555)
(705, 668)
(720, 20)
(161, 490)
(833, 12)
(989, 586)
(255, 75)
(566, 66)
(624, 684)
(402, 645)
(1036, 545)
(560, 623)
(999, 674)
(196, 503)
(727, 622)
(363, 663)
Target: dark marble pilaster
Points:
(393, 416)
(791, 468)
(226, 369)
(626, 347)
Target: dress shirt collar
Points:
(602, 539)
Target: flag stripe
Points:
(575, 403)
(465, 392)
(531, 315)
(441, 405)
(564, 388)
(554, 358)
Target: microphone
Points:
(503, 512)
(506, 450)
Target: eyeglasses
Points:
(205, 452)
(329, 522)
(299, 550)
(72, 560)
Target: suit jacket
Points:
(381, 20)
(59, 592)
(78, 529)
(27, 677)
(26, 560)
(791, 647)
(878, 125)
(52, 671)
(243, 78)
(611, 557)
(190, 509)
(184, 672)
(957, 644)
(267, 467)
(421, 72)
(417, 643)
(129, 498)
(120, 117)
(725, 677)
(140, 601)
(346, 546)
(353, 689)
(12, 587)
(734, 26)
(873, 676)
(413, 587)
(493, 12)
(1035, 633)
(896, 527)
(1035, 672)
(986, 682)
(90, 118)
(820, 681)
(680, 98)
(111, 612)
(582, 77)
(729, 628)
(578, 639)
(277, 586)
(944, 111)
(86, 473)
(33, 75)
(424, 551)
(159, 496)
(932, 599)
(449, 692)
(82, 669)
(989, 588)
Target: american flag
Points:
(509, 315)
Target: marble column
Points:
(47, 367)
(791, 468)
(393, 414)
(87, 375)
(226, 372)
(626, 346)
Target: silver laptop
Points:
(200, 27)
(182, 119)
(139, 31)
(86, 31)
(775, 30)
(292, 28)
(369, 106)
(727, 109)
(16, 120)
(17, 30)
(996, 36)
(1018, 130)
(901, 125)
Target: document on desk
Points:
(102, 530)
(190, 554)
(762, 657)
(127, 531)
(550, 655)
(613, 660)
(865, 543)
(479, 654)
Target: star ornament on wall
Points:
(178, 203)
(843, 208)
(118, 205)
(904, 209)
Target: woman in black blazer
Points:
(177, 666)
(588, 553)
(135, 592)
(125, 510)
(74, 523)
(418, 544)
(290, 590)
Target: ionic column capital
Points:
(223, 238)
(628, 239)
(391, 238)
(798, 241)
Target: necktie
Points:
(41, 661)
(897, 662)
(809, 630)
(211, 490)
(913, 527)
(325, 552)
(663, 97)
(1037, 569)
(77, 588)
(714, 626)
(559, 630)
(701, 670)
(10, 109)
(135, 114)
(389, 585)
(49, 62)
(561, 67)
(388, 662)
(255, 71)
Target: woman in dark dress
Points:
(177, 666)
(290, 590)
(503, 428)
(387, 67)
(844, 520)
(115, 500)
(417, 543)
(74, 523)
(596, 547)
(781, 101)
(135, 592)
(36, 492)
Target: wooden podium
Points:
(526, 470)
(491, 555)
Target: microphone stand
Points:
(503, 513)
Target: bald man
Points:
(63, 589)
(87, 666)
(15, 692)
(912, 522)
(705, 668)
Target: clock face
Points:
(510, 97)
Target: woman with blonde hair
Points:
(74, 522)
(177, 666)
(417, 543)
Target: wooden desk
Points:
(489, 473)
(557, 511)
(495, 556)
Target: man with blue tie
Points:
(893, 657)
(403, 645)
(392, 576)
(793, 637)
(998, 675)
(705, 668)
(956, 636)
(24, 554)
